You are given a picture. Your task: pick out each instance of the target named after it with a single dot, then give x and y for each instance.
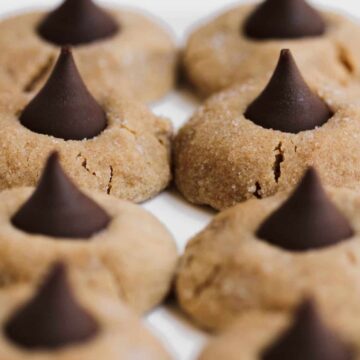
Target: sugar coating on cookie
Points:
(257, 138)
(108, 143)
(138, 59)
(228, 269)
(219, 53)
(320, 331)
(102, 242)
(119, 334)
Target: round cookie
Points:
(63, 315)
(256, 139)
(129, 159)
(268, 254)
(110, 243)
(255, 333)
(219, 53)
(138, 58)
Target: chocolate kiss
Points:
(307, 338)
(307, 220)
(77, 22)
(64, 108)
(52, 318)
(287, 104)
(58, 209)
(284, 19)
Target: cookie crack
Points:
(279, 159)
(258, 190)
(208, 282)
(133, 132)
(84, 164)
(39, 75)
(117, 281)
(163, 137)
(344, 60)
(352, 258)
(11, 73)
(109, 187)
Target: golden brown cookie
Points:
(253, 333)
(219, 54)
(257, 138)
(268, 254)
(138, 60)
(118, 335)
(108, 144)
(135, 253)
(109, 243)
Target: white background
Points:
(183, 219)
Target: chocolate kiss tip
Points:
(284, 19)
(287, 103)
(77, 22)
(64, 108)
(308, 338)
(52, 318)
(307, 220)
(58, 209)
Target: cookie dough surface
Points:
(134, 257)
(121, 335)
(227, 271)
(218, 54)
(140, 60)
(130, 159)
(253, 332)
(222, 158)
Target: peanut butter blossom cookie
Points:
(61, 322)
(269, 254)
(108, 144)
(117, 50)
(244, 43)
(97, 235)
(256, 139)
(306, 334)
